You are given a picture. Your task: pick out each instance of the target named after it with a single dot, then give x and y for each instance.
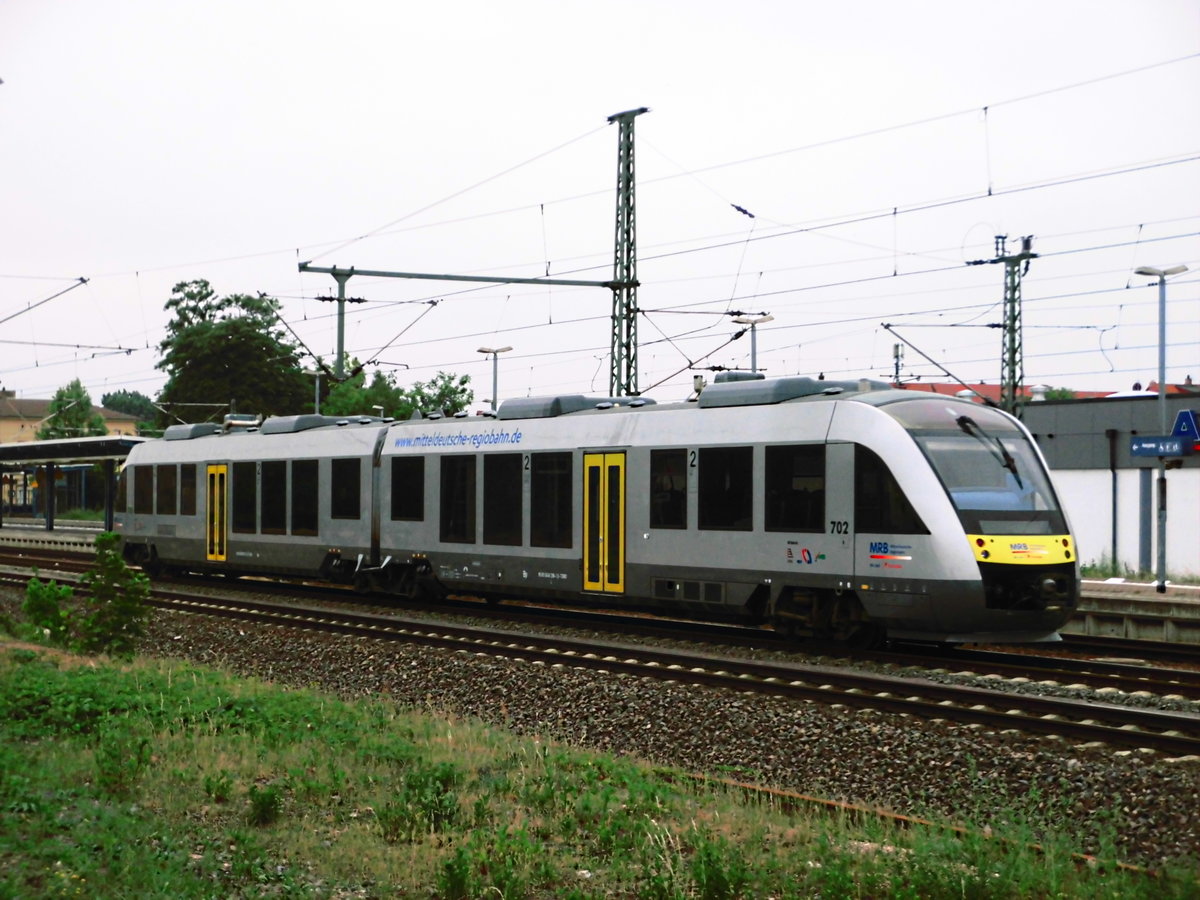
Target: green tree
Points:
(71, 415)
(228, 354)
(445, 392)
(131, 403)
(1060, 393)
(354, 397)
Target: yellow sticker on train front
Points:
(1022, 548)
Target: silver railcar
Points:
(844, 510)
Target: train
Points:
(849, 511)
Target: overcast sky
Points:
(878, 145)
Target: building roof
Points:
(33, 410)
(990, 391)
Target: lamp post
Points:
(495, 354)
(315, 373)
(753, 322)
(1160, 572)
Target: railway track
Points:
(1130, 676)
(1170, 733)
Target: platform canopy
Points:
(67, 450)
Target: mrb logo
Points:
(879, 547)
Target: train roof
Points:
(725, 393)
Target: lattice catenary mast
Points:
(623, 378)
(1012, 357)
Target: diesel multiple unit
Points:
(842, 510)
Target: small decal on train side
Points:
(803, 555)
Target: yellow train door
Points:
(604, 522)
(216, 514)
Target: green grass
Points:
(80, 515)
(1106, 568)
(148, 779)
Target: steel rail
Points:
(1176, 734)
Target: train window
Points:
(408, 488)
(304, 497)
(244, 506)
(187, 489)
(795, 488)
(122, 491)
(346, 489)
(164, 490)
(458, 499)
(274, 497)
(502, 520)
(550, 514)
(668, 488)
(143, 490)
(726, 501)
(880, 506)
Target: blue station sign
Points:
(1183, 440)
(1159, 445)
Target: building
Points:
(20, 419)
(19, 423)
(1110, 494)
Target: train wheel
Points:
(792, 616)
(149, 561)
(849, 624)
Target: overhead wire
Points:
(459, 193)
(893, 212)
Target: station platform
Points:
(1135, 611)
(73, 536)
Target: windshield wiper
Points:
(999, 452)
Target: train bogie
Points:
(838, 510)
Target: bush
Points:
(113, 617)
(108, 620)
(44, 607)
(265, 804)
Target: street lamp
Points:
(315, 373)
(753, 322)
(495, 353)
(1160, 573)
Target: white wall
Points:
(1087, 496)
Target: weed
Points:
(717, 868)
(45, 611)
(122, 753)
(662, 865)
(266, 804)
(426, 803)
(218, 787)
(454, 879)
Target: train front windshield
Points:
(988, 466)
